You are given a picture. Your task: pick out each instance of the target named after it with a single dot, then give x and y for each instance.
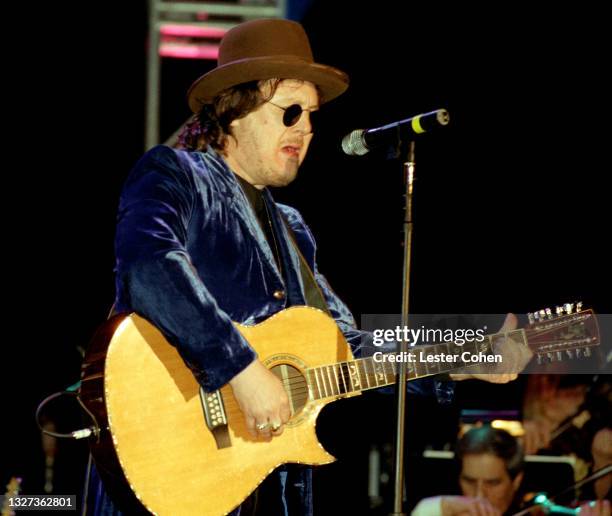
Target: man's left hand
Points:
(514, 358)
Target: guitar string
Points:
(329, 384)
(299, 389)
(288, 381)
(297, 396)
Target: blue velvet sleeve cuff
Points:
(168, 293)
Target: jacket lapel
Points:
(241, 207)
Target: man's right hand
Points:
(467, 506)
(456, 506)
(262, 399)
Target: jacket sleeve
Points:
(361, 342)
(156, 276)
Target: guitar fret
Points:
(388, 370)
(367, 365)
(336, 377)
(311, 385)
(316, 383)
(325, 381)
(412, 371)
(319, 394)
(419, 366)
(456, 350)
(345, 377)
(369, 368)
(331, 381)
(379, 373)
(321, 382)
(382, 366)
(363, 371)
(354, 372)
(446, 366)
(394, 370)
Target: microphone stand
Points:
(409, 167)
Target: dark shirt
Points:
(258, 203)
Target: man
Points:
(491, 464)
(201, 243)
(491, 471)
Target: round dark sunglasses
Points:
(293, 113)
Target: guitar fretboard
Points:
(370, 373)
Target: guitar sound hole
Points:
(295, 385)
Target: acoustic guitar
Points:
(184, 451)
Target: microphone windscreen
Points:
(353, 144)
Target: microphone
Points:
(362, 141)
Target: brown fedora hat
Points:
(265, 49)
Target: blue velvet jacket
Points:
(192, 258)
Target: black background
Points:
(511, 200)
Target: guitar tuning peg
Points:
(549, 314)
(587, 352)
(542, 314)
(578, 353)
(550, 356)
(559, 310)
(559, 356)
(540, 358)
(570, 354)
(579, 306)
(569, 308)
(531, 318)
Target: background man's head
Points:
(491, 462)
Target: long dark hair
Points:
(211, 126)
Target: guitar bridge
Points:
(216, 419)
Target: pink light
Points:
(189, 51)
(192, 31)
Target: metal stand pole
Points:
(409, 168)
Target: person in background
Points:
(491, 464)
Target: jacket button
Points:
(279, 294)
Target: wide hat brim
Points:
(330, 81)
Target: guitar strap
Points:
(312, 291)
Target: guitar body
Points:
(169, 455)
(183, 451)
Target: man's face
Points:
(485, 476)
(264, 151)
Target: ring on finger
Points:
(262, 426)
(276, 425)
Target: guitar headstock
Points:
(568, 332)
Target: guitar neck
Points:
(381, 369)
